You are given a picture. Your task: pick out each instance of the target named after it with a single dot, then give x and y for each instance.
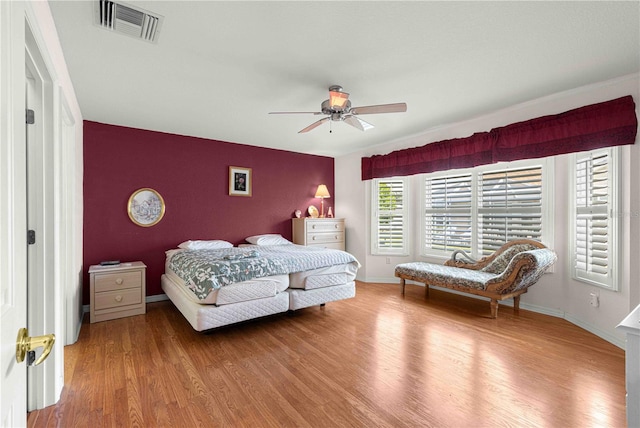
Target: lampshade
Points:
(322, 192)
(337, 99)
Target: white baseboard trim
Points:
(381, 280)
(156, 298)
(597, 331)
(149, 299)
(528, 307)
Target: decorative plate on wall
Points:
(145, 207)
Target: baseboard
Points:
(156, 298)
(381, 280)
(148, 299)
(620, 343)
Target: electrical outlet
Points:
(594, 300)
(388, 260)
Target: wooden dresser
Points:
(320, 232)
(117, 291)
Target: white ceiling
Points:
(219, 67)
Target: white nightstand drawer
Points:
(117, 281)
(117, 298)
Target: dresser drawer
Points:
(117, 281)
(325, 226)
(330, 245)
(324, 238)
(118, 298)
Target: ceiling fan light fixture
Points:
(338, 109)
(338, 99)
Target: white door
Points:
(13, 216)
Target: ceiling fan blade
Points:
(356, 122)
(314, 125)
(295, 112)
(382, 108)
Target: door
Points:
(13, 216)
(42, 217)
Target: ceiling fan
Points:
(338, 109)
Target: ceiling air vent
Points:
(129, 20)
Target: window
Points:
(390, 220)
(481, 209)
(595, 226)
(448, 213)
(510, 207)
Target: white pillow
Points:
(215, 244)
(267, 239)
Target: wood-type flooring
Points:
(378, 360)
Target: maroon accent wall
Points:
(192, 175)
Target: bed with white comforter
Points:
(216, 287)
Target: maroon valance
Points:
(607, 124)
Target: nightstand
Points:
(117, 291)
(319, 232)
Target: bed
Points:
(216, 287)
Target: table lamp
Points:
(322, 193)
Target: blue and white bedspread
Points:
(206, 270)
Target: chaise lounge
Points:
(505, 274)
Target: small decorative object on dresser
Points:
(117, 291)
(313, 211)
(320, 232)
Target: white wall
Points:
(556, 293)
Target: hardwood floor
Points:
(380, 360)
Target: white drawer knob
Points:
(335, 225)
(313, 238)
(119, 281)
(118, 298)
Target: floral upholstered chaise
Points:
(505, 274)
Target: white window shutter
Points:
(448, 222)
(594, 229)
(509, 206)
(389, 228)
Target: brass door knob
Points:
(25, 343)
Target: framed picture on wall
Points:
(145, 207)
(239, 181)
